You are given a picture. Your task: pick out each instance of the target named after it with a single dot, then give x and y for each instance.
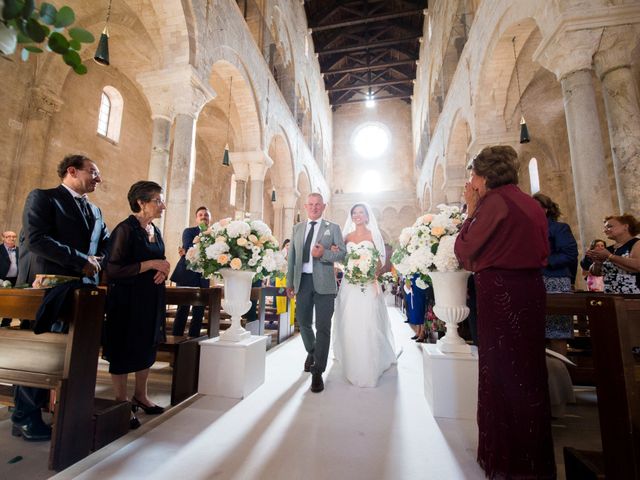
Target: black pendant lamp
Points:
(225, 157)
(524, 131)
(102, 52)
(273, 195)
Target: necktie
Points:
(307, 243)
(86, 211)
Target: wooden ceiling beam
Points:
(366, 20)
(370, 67)
(364, 46)
(369, 85)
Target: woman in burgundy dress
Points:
(504, 242)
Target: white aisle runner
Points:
(283, 431)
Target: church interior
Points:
(248, 106)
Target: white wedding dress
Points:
(363, 343)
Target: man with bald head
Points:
(8, 263)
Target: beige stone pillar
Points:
(30, 155)
(189, 94)
(613, 65)
(570, 58)
(240, 164)
(286, 210)
(256, 162)
(160, 148)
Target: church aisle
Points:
(282, 431)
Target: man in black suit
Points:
(183, 277)
(64, 234)
(8, 263)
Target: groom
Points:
(311, 280)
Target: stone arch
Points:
(437, 186)
(282, 170)
(426, 199)
(244, 110)
(456, 158)
(303, 185)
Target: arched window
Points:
(110, 115)
(232, 191)
(534, 177)
(371, 139)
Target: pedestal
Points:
(232, 369)
(450, 382)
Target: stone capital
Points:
(177, 90)
(616, 48)
(287, 197)
(253, 163)
(568, 51)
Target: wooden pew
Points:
(186, 350)
(285, 329)
(614, 323)
(66, 363)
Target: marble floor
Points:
(282, 431)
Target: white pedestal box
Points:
(451, 382)
(232, 369)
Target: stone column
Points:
(160, 148)
(179, 93)
(30, 155)
(240, 164)
(287, 199)
(569, 57)
(256, 162)
(613, 65)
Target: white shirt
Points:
(13, 269)
(308, 267)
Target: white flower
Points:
(237, 228)
(212, 251)
(261, 228)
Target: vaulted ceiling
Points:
(367, 48)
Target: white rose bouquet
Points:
(427, 246)
(239, 245)
(387, 279)
(360, 265)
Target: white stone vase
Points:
(237, 300)
(450, 291)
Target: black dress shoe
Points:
(148, 409)
(32, 432)
(317, 385)
(308, 363)
(415, 337)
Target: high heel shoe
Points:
(134, 423)
(149, 410)
(415, 337)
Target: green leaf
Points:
(71, 58)
(36, 31)
(48, 13)
(81, 35)
(22, 38)
(12, 9)
(65, 17)
(29, 7)
(58, 43)
(75, 44)
(33, 49)
(80, 69)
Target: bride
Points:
(363, 343)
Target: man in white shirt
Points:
(8, 263)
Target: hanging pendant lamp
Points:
(225, 157)
(102, 52)
(524, 131)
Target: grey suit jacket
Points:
(324, 280)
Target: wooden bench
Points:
(284, 327)
(186, 350)
(66, 363)
(614, 324)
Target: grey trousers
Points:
(306, 300)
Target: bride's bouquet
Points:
(427, 246)
(238, 245)
(360, 265)
(387, 279)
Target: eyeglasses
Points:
(157, 201)
(94, 173)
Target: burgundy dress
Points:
(505, 244)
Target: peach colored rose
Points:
(241, 241)
(427, 218)
(222, 259)
(224, 222)
(253, 238)
(455, 221)
(437, 231)
(196, 239)
(220, 239)
(236, 264)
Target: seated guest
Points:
(136, 309)
(8, 263)
(558, 275)
(620, 261)
(183, 277)
(504, 242)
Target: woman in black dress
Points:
(136, 271)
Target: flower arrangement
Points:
(427, 246)
(238, 245)
(5, 284)
(360, 265)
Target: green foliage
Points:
(31, 25)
